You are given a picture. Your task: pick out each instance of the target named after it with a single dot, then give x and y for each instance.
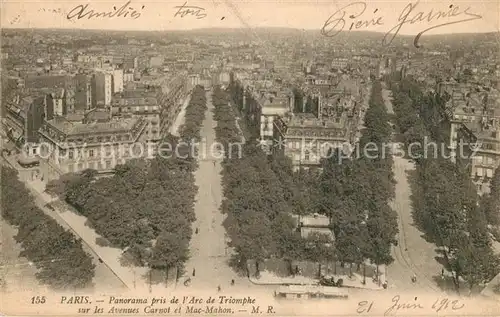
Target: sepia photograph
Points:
(237, 157)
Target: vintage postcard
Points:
(250, 158)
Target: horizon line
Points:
(231, 28)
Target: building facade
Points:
(474, 125)
(70, 147)
(306, 139)
(102, 89)
(142, 103)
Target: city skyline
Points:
(233, 151)
(306, 15)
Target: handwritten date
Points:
(398, 305)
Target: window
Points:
(479, 172)
(91, 153)
(70, 156)
(306, 155)
(489, 173)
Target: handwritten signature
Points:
(81, 11)
(190, 10)
(355, 10)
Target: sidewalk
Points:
(135, 278)
(179, 120)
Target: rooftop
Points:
(308, 120)
(117, 125)
(315, 220)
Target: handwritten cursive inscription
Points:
(190, 10)
(445, 303)
(81, 11)
(404, 18)
(352, 13)
(336, 22)
(397, 305)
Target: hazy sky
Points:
(304, 14)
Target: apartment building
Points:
(118, 79)
(272, 108)
(143, 103)
(174, 92)
(306, 139)
(24, 116)
(75, 145)
(83, 92)
(474, 121)
(340, 63)
(102, 89)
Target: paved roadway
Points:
(208, 248)
(413, 255)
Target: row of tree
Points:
(57, 254)
(259, 198)
(147, 206)
(447, 206)
(195, 113)
(364, 224)
(355, 191)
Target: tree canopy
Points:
(147, 206)
(57, 254)
(447, 206)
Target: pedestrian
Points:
(232, 282)
(196, 231)
(214, 163)
(414, 278)
(218, 288)
(194, 272)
